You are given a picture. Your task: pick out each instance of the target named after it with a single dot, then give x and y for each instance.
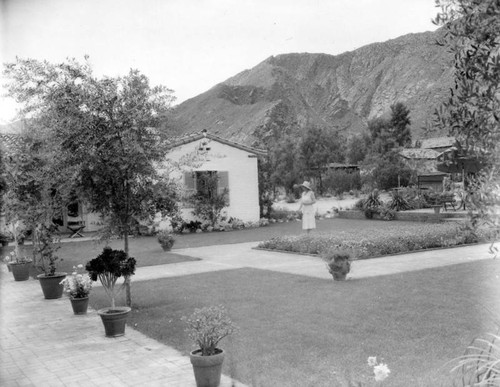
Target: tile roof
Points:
(175, 142)
(419, 153)
(437, 142)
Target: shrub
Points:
(166, 240)
(337, 182)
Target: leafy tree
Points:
(318, 148)
(105, 131)
(358, 147)
(471, 113)
(400, 124)
(285, 165)
(38, 189)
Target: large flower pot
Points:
(51, 285)
(20, 271)
(207, 369)
(79, 305)
(114, 320)
(339, 276)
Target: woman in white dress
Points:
(307, 201)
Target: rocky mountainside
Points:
(341, 92)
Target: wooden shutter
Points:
(190, 181)
(223, 183)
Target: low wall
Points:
(406, 216)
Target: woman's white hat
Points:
(306, 184)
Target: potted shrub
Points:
(338, 264)
(108, 267)
(78, 286)
(44, 248)
(207, 327)
(19, 265)
(166, 240)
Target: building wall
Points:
(242, 174)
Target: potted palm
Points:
(44, 248)
(207, 327)
(19, 265)
(166, 240)
(338, 264)
(108, 267)
(78, 286)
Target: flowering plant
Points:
(77, 285)
(16, 257)
(380, 370)
(207, 326)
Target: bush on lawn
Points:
(380, 242)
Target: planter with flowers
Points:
(44, 247)
(108, 267)
(78, 286)
(338, 264)
(207, 327)
(19, 265)
(166, 240)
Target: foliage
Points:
(166, 239)
(398, 201)
(210, 201)
(390, 240)
(77, 285)
(285, 165)
(386, 172)
(400, 124)
(281, 214)
(480, 365)
(386, 213)
(108, 267)
(207, 327)
(357, 148)
(107, 134)
(44, 247)
(318, 148)
(338, 181)
(338, 262)
(471, 112)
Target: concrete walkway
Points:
(43, 344)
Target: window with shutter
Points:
(190, 181)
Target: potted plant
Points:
(5, 239)
(166, 240)
(78, 286)
(19, 265)
(207, 327)
(44, 247)
(108, 267)
(338, 264)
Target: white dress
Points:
(308, 211)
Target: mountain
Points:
(341, 92)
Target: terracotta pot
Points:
(79, 305)
(207, 369)
(51, 286)
(20, 271)
(339, 276)
(114, 320)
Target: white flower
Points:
(372, 361)
(381, 372)
(80, 266)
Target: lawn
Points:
(301, 331)
(148, 252)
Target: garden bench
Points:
(448, 199)
(76, 228)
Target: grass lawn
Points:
(301, 331)
(148, 252)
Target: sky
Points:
(192, 45)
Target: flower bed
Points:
(379, 242)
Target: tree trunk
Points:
(127, 280)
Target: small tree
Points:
(105, 131)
